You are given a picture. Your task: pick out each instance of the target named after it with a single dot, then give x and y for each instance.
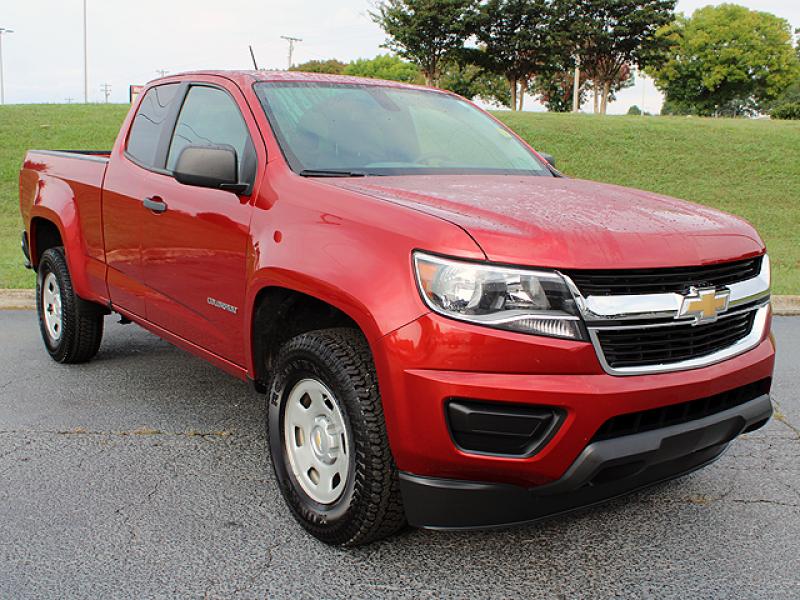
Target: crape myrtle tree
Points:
(472, 81)
(526, 42)
(555, 90)
(521, 39)
(725, 60)
(616, 35)
(429, 33)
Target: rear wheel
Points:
(71, 328)
(328, 441)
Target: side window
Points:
(210, 117)
(149, 122)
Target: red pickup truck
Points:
(450, 333)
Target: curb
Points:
(787, 306)
(17, 299)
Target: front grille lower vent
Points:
(607, 282)
(503, 429)
(671, 343)
(676, 414)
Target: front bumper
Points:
(603, 470)
(432, 360)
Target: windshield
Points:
(346, 129)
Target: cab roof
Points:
(246, 77)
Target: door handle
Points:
(156, 204)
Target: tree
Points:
(606, 92)
(332, 66)
(555, 90)
(428, 33)
(471, 81)
(520, 40)
(384, 66)
(635, 110)
(726, 58)
(617, 35)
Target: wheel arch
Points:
(279, 310)
(49, 228)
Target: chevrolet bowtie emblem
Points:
(704, 304)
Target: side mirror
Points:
(549, 158)
(209, 166)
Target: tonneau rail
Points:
(92, 155)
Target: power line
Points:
(106, 89)
(291, 41)
(3, 31)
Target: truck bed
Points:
(72, 179)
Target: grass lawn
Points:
(750, 168)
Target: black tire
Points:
(370, 507)
(81, 326)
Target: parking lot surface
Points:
(144, 474)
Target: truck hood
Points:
(570, 223)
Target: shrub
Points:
(789, 110)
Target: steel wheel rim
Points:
(51, 307)
(316, 441)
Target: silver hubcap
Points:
(316, 441)
(51, 306)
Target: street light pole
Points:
(3, 31)
(85, 59)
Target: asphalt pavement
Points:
(144, 474)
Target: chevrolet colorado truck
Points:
(448, 331)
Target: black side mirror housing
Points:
(209, 166)
(549, 158)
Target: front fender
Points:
(347, 250)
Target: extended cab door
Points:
(124, 189)
(195, 242)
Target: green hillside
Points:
(750, 168)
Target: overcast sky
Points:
(130, 40)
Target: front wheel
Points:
(71, 328)
(328, 441)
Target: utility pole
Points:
(69, 100)
(162, 72)
(291, 41)
(85, 59)
(106, 89)
(3, 31)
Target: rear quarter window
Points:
(149, 122)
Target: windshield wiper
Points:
(331, 173)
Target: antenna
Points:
(291, 41)
(253, 56)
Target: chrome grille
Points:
(661, 345)
(637, 330)
(613, 282)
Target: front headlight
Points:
(526, 301)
